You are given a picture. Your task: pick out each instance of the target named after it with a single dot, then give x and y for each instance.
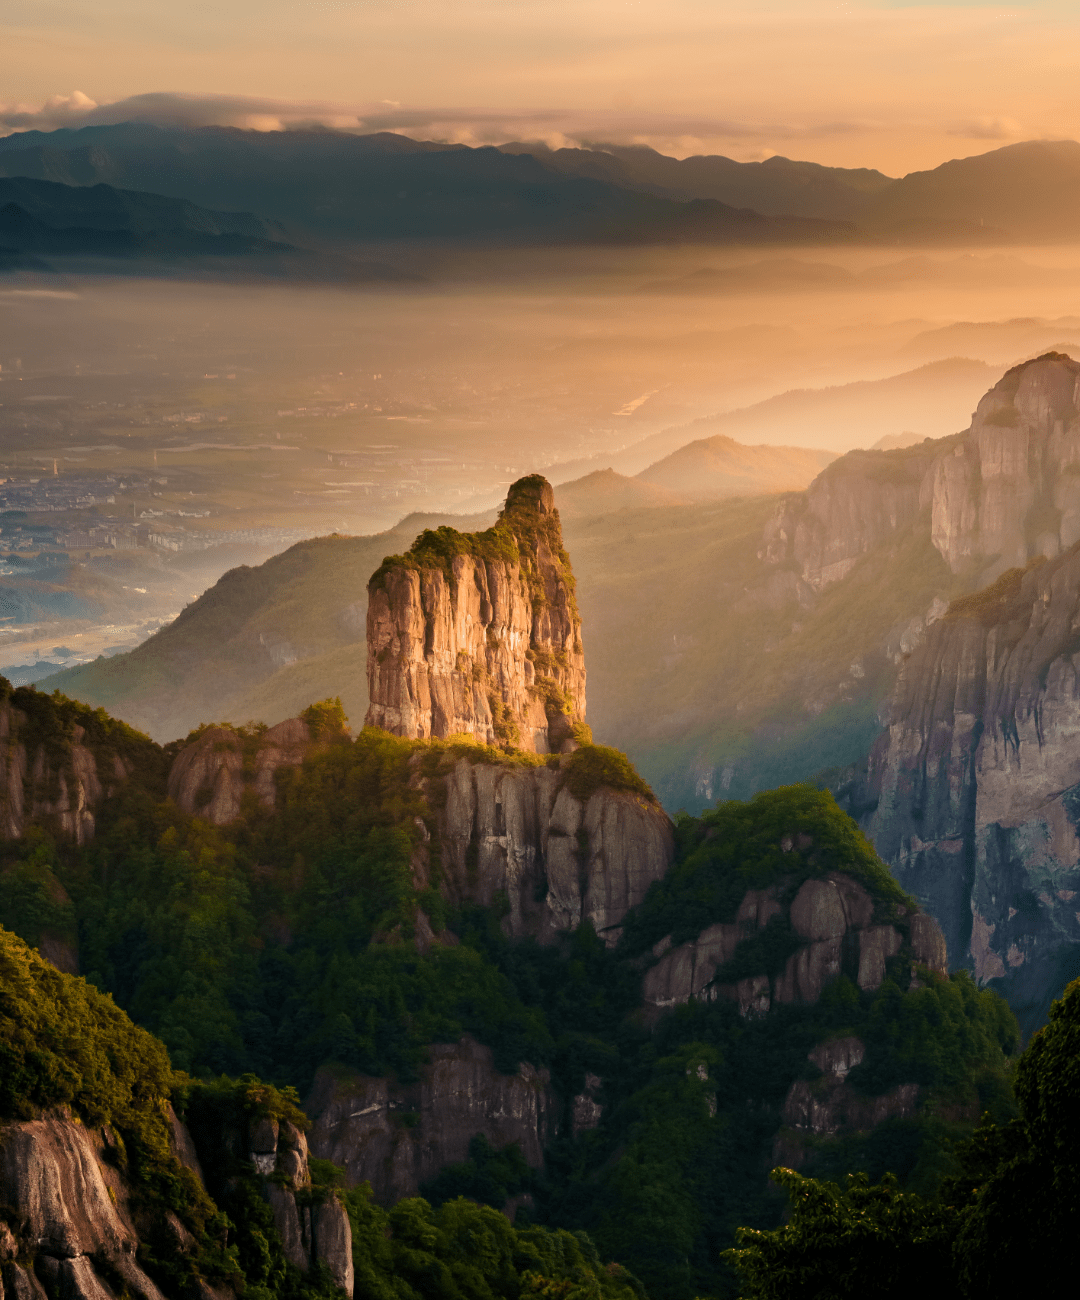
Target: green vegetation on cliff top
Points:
(515, 538)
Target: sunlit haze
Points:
(893, 86)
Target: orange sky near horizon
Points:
(869, 83)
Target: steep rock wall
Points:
(58, 782)
(479, 634)
(397, 1136)
(854, 505)
(519, 833)
(210, 776)
(829, 1106)
(993, 497)
(70, 1232)
(71, 1213)
(973, 794)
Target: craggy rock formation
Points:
(828, 1106)
(396, 1136)
(993, 497)
(211, 775)
(55, 779)
(831, 921)
(520, 832)
(853, 505)
(311, 1233)
(72, 1214)
(71, 1233)
(973, 793)
(479, 634)
(501, 829)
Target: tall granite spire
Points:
(479, 633)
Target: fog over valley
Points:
(225, 421)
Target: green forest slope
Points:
(287, 941)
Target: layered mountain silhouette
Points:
(343, 186)
(90, 223)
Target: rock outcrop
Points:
(71, 1214)
(397, 1136)
(479, 634)
(519, 833)
(50, 774)
(211, 775)
(829, 1106)
(831, 923)
(991, 498)
(311, 1233)
(973, 793)
(853, 506)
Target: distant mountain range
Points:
(347, 187)
(90, 223)
(327, 187)
(1027, 191)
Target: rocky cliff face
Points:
(398, 1136)
(829, 1106)
(479, 634)
(973, 793)
(854, 505)
(831, 922)
(51, 771)
(993, 497)
(210, 776)
(520, 833)
(313, 1230)
(72, 1231)
(55, 777)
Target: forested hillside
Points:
(300, 944)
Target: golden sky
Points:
(868, 84)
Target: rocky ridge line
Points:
(993, 497)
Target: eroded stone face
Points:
(980, 488)
(513, 832)
(209, 776)
(399, 1136)
(973, 790)
(35, 786)
(831, 915)
(71, 1211)
(489, 648)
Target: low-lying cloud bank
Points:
(675, 134)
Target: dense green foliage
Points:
(62, 1043)
(1005, 1215)
(288, 940)
(860, 1241)
(465, 1251)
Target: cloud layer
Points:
(895, 84)
(677, 134)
